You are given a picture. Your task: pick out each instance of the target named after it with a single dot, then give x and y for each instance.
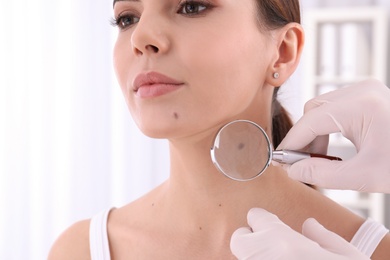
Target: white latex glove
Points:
(270, 238)
(361, 112)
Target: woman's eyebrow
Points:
(124, 0)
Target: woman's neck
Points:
(195, 185)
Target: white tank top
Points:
(98, 237)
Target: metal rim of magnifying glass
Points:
(212, 151)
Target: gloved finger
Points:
(240, 240)
(317, 122)
(329, 240)
(329, 97)
(319, 145)
(327, 113)
(242, 231)
(318, 233)
(259, 219)
(327, 174)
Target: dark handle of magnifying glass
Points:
(290, 157)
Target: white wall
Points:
(291, 92)
(68, 147)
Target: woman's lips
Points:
(153, 84)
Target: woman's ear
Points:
(290, 40)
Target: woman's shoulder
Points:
(73, 243)
(140, 206)
(136, 223)
(137, 210)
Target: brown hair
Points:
(273, 14)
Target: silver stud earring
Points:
(276, 75)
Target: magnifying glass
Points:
(242, 151)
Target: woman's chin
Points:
(156, 131)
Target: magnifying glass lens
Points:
(241, 150)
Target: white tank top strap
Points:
(98, 237)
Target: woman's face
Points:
(188, 66)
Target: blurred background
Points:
(68, 146)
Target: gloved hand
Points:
(361, 112)
(269, 238)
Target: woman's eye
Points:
(192, 8)
(125, 21)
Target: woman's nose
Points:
(149, 37)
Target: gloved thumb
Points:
(326, 173)
(316, 232)
(260, 220)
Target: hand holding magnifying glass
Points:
(361, 113)
(242, 151)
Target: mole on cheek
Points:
(176, 115)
